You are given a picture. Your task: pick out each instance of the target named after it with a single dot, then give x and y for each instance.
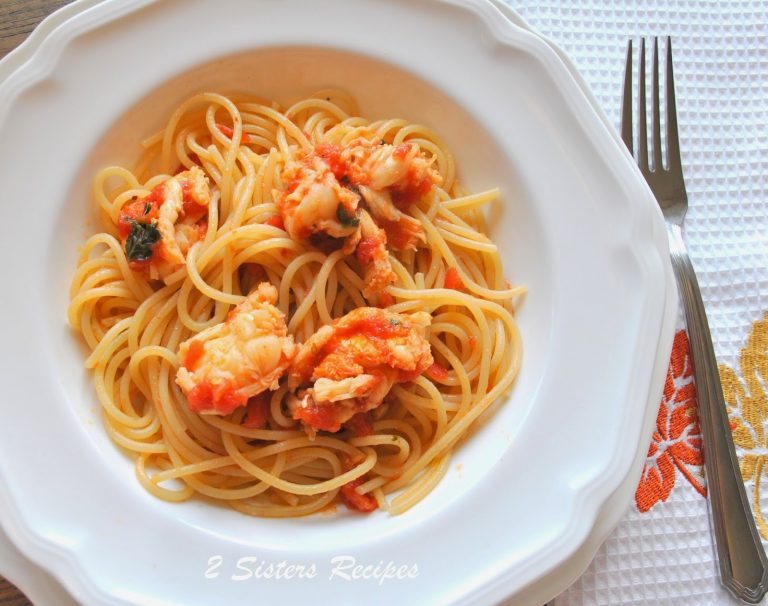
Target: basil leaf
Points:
(347, 220)
(140, 243)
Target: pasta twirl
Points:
(238, 231)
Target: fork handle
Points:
(743, 564)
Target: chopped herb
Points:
(141, 241)
(394, 438)
(394, 322)
(147, 208)
(344, 180)
(382, 142)
(345, 218)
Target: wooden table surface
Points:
(17, 19)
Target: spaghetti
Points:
(214, 212)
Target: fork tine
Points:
(655, 119)
(626, 102)
(642, 123)
(673, 145)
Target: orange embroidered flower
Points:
(676, 444)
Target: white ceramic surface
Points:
(578, 227)
(39, 586)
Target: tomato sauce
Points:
(189, 208)
(437, 372)
(140, 266)
(413, 189)
(402, 150)
(331, 154)
(141, 211)
(375, 328)
(397, 234)
(385, 300)
(319, 417)
(361, 424)
(194, 353)
(258, 411)
(364, 503)
(453, 279)
(200, 397)
(227, 400)
(366, 249)
(224, 400)
(225, 130)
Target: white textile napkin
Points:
(665, 555)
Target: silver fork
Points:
(743, 565)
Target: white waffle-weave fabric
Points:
(666, 555)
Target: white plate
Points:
(36, 583)
(579, 225)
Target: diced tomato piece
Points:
(385, 300)
(376, 326)
(190, 209)
(193, 211)
(359, 502)
(361, 424)
(203, 397)
(229, 400)
(373, 327)
(142, 211)
(156, 196)
(319, 417)
(398, 236)
(124, 226)
(437, 372)
(332, 156)
(225, 130)
(290, 187)
(405, 376)
(275, 221)
(366, 249)
(402, 150)
(258, 411)
(420, 188)
(229, 132)
(413, 190)
(453, 280)
(194, 353)
(141, 266)
(200, 397)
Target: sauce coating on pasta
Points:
(292, 307)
